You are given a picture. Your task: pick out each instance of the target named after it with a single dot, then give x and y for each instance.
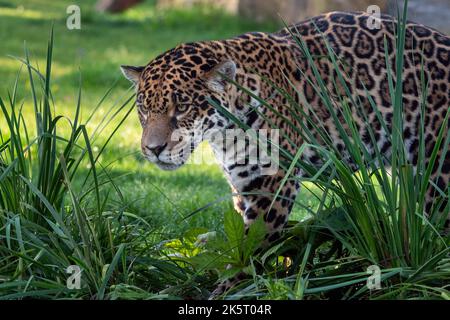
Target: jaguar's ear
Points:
(218, 77)
(132, 73)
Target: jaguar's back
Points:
(361, 46)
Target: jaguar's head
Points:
(174, 92)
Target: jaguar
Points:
(182, 88)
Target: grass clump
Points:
(60, 206)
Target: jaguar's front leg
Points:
(261, 202)
(256, 197)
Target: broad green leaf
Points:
(234, 230)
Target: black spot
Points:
(428, 47)
(343, 18)
(378, 64)
(313, 47)
(436, 72)
(364, 79)
(297, 75)
(384, 93)
(281, 219)
(286, 198)
(241, 205)
(345, 34)
(409, 84)
(333, 44)
(386, 147)
(364, 47)
(442, 39)
(205, 67)
(300, 29)
(441, 184)
(413, 105)
(428, 206)
(180, 61)
(263, 203)
(314, 159)
(255, 184)
(252, 116)
(320, 25)
(388, 118)
(421, 31)
(243, 174)
(251, 214)
(443, 56)
(270, 216)
(446, 165)
(197, 60)
(382, 46)
(309, 92)
(273, 237)
(410, 40)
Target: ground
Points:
(96, 52)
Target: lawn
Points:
(95, 53)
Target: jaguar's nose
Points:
(156, 150)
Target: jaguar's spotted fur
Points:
(173, 92)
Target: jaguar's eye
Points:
(140, 99)
(182, 107)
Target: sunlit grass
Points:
(21, 13)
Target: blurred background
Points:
(116, 32)
(431, 12)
